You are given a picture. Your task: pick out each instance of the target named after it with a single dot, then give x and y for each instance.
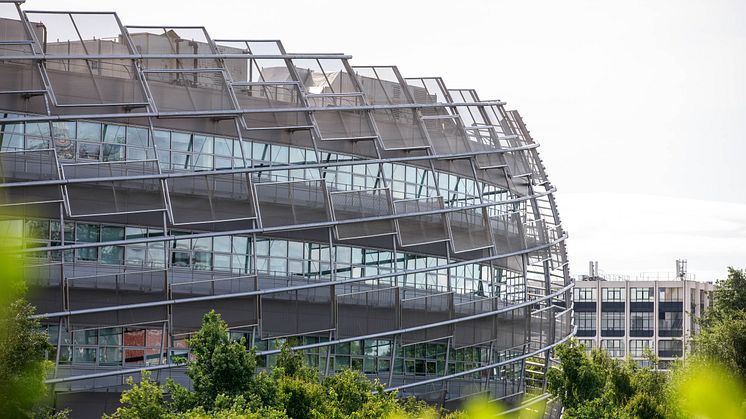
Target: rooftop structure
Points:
(382, 223)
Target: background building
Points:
(655, 311)
(381, 223)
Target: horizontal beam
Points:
(206, 56)
(243, 111)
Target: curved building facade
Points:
(376, 222)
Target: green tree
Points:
(23, 344)
(730, 294)
(23, 365)
(222, 365)
(143, 400)
(598, 386)
(722, 337)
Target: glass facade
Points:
(398, 240)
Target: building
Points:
(376, 222)
(654, 311)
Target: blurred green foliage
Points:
(23, 344)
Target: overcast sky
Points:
(639, 106)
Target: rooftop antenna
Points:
(681, 269)
(593, 269)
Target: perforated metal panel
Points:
(472, 332)
(296, 312)
(29, 166)
(116, 196)
(350, 205)
(469, 229)
(287, 203)
(239, 311)
(367, 312)
(211, 198)
(421, 229)
(423, 310)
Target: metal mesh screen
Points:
(236, 311)
(286, 203)
(469, 229)
(25, 166)
(446, 134)
(367, 312)
(117, 196)
(97, 288)
(210, 198)
(472, 332)
(80, 81)
(399, 129)
(511, 330)
(349, 205)
(45, 285)
(518, 163)
(197, 90)
(425, 310)
(296, 312)
(421, 229)
(507, 230)
(344, 125)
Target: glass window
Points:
(637, 347)
(89, 131)
(38, 129)
(114, 137)
(87, 233)
(612, 294)
(113, 255)
(110, 336)
(111, 356)
(37, 229)
(11, 136)
(89, 151)
(641, 294)
(137, 143)
(85, 337)
(115, 134)
(670, 294)
(612, 321)
(134, 254)
(641, 321)
(63, 134)
(584, 294)
(84, 355)
(586, 321)
(670, 348)
(670, 321)
(113, 152)
(180, 259)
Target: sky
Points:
(639, 106)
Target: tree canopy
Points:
(226, 385)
